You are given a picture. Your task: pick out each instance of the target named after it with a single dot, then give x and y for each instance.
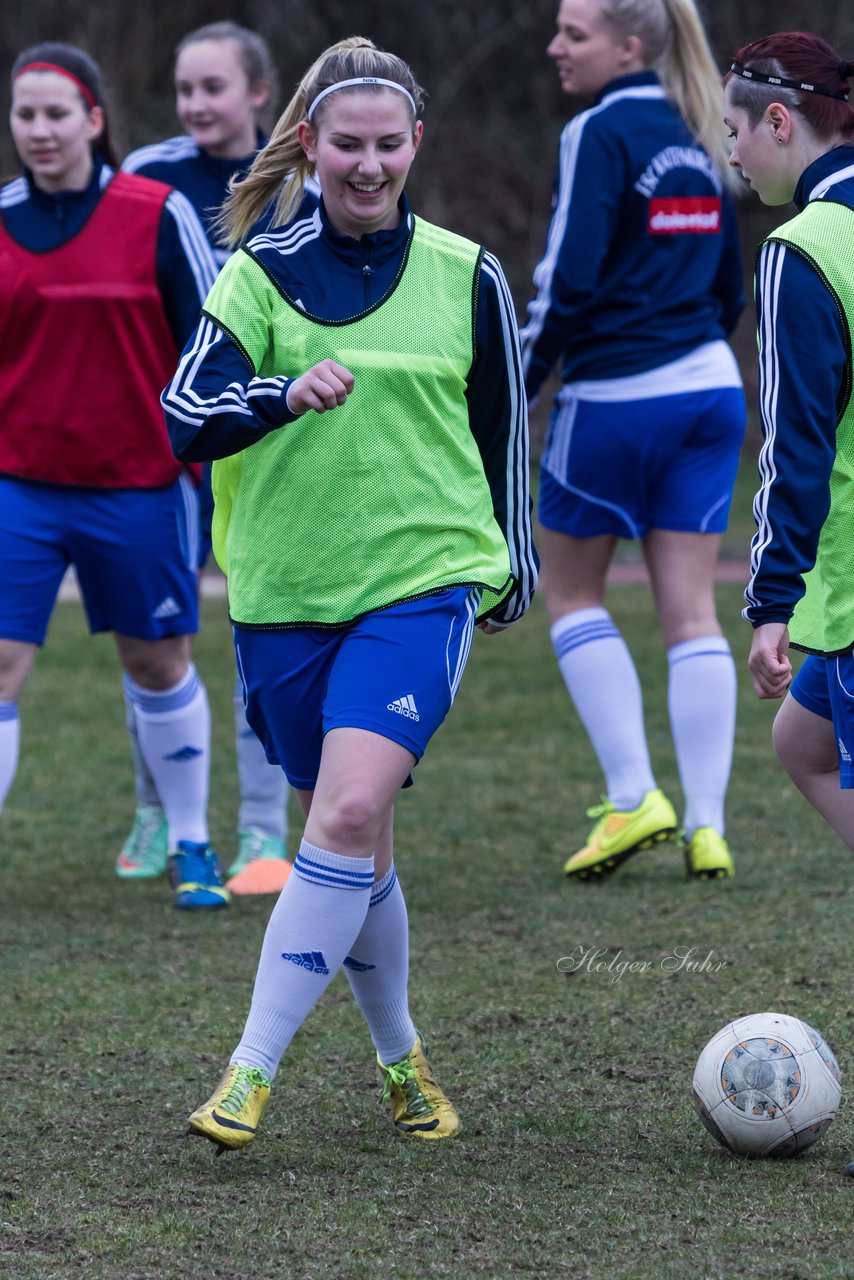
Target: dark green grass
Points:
(580, 1156)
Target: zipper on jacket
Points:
(368, 272)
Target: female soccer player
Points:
(224, 81)
(103, 277)
(793, 139)
(792, 129)
(637, 291)
(357, 374)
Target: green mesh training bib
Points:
(823, 620)
(383, 499)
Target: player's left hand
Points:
(769, 660)
(488, 629)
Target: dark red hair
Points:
(796, 55)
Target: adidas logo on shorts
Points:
(167, 608)
(405, 706)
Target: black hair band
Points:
(746, 74)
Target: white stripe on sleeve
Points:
(769, 269)
(519, 533)
(194, 242)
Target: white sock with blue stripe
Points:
(701, 696)
(174, 731)
(315, 922)
(377, 969)
(263, 786)
(600, 676)
(10, 745)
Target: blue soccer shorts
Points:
(825, 686)
(394, 672)
(625, 466)
(134, 552)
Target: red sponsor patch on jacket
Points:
(676, 215)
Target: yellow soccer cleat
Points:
(707, 855)
(620, 833)
(419, 1107)
(230, 1117)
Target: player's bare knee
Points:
(352, 820)
(155, 664)
(560, 602)
(153, 669)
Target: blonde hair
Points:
(280, 169)
(674, 41)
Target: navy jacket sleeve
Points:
(186, 268)
(799, 386)
(580, 234)
(215, 405)
(498, 417)
(728, 287)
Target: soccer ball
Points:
(767, 1085)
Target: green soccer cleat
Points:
(144, 853)
(253, 844)
(619, 834)
(230, 1117)
(419, 1107)
(707, 855)
(196, 875)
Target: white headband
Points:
(359, 82)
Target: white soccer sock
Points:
(146, 791)
(263, 786)
(314, 924)
(10, 744)
(174, 728)
(701, 699)
(377, 969)
(602, 681)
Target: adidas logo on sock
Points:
(358, 966)
(184, 753)
(313, 961)
(167, 608)
(405, 706)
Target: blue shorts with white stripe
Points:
(394, 672)
(825, 686)
(135, 553)
(623, 467)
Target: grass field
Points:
(580, 1156)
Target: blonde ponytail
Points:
(674, 42)
(692, 80)
(281, 168)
